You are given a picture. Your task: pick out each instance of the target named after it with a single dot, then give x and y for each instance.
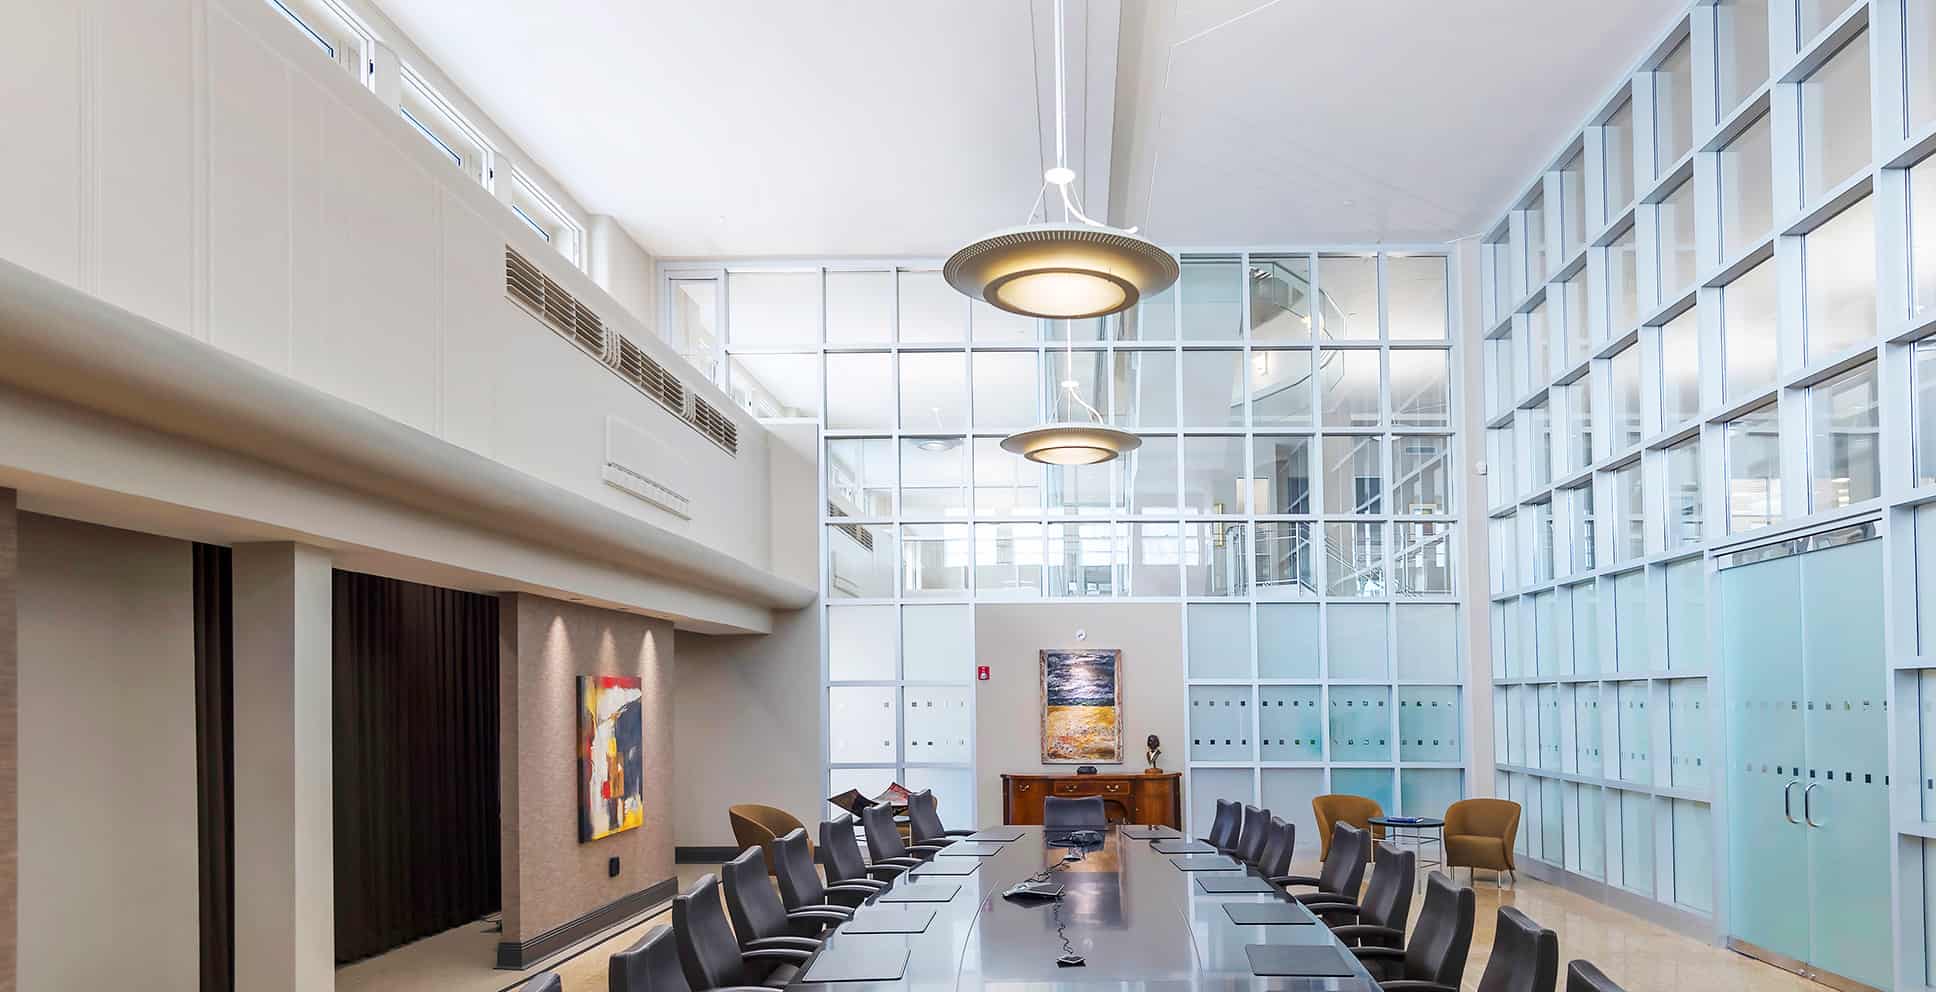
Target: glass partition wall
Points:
(1731, 354)
(1292, 502)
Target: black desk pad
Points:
(1224, 884)
(995, 835)
(859, 959)
(970, 849)
(940, 867)
(1205, 862)
(889, 919)
(1147, 833)
(921, 892)
(1180, 846)
(1298, 961)
(1250, 914)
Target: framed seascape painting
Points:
(1082, 707)
(609, 758)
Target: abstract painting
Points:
(609, 758)
(1082, 707)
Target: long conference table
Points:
(1138, 916)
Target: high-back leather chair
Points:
(884, 841)
(1582, 976)
(1341, 808)
(844, 861)
(710, 955)
(754, 824)
(1224, 829)
(800, 885)
(1278, 850)
(760, 919)
(1479, 833)
(1525, 956)
(1434, 959)
(1341, 876)
(1077, 813)
(547, 981)
(1379, 917)
(1253, 834)
(924, 820)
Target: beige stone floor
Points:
(1641, 956)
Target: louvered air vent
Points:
(651, 378)
(861, 535)
(713, 424)
(530, 288)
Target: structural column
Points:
(285, 913)
(9, 739)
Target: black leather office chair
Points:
(1435, 956)
(800, 885)
(543, 982)
(1582, 976)
(1278, 850)
(844, 861)
(1252, 836)
(651, 965)
(1223, 829)
(1525, 956)
(884, 843)
(1380, 917)
(924, 820)
(1063, 813)
(1340, 876)
(760, 919)
(708, 952)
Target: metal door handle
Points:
(1808, 806)
(1787, 802)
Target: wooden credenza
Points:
(1127, 797)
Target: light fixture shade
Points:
(1061, 271)
(1071, 444)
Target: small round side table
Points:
(1417, 832)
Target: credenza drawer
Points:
(1076, 788)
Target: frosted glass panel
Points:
(1687, 615)
(1926, 708)
(860, 643)
(954, 794)
(1290, 723)
(1357, 638)
(1372, 783)
(1429, 723)
(1220, 723)
(1219, 641)
(1428, 643)
(938, 642)
(1429, 791)
(940, 724)
(1287, 794)
(1693, 862)
(1552, 817)
(1587, 731)
(1586, 628)
(1687, 733)
(1632, 638)
(1593, 832)
(1287, 642)
(1207, 785)
(1636, 842)
(1636, 734)
(1360, 723)
(1548, 698)
(860, 724)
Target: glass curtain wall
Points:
(1293, 501)
(1748, 354)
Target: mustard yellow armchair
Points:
(761, 826)
(1479, 833)
(1355, 810)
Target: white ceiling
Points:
(880, 127)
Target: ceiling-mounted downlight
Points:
(1064, 271)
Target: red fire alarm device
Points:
(981, 673)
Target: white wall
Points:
(108, 843)
(200, 163)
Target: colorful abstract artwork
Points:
(1082, 707)
(609, 758)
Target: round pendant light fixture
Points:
(1072, 270)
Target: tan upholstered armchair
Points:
(761, 826)
(1355, 810)
(1479, 833)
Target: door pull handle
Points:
(1787, 802)
(1808, 805)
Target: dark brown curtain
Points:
(416, 806)
(214, 764)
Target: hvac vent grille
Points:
(861, 535)
(529, 287)
(713, 424)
